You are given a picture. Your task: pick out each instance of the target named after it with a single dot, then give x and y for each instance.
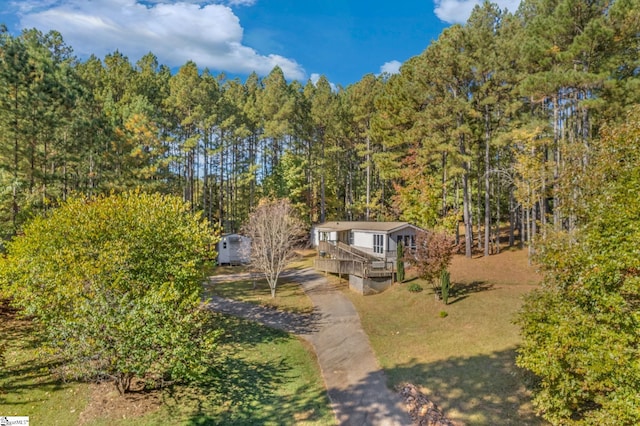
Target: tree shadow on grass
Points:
(480, 390)
(242, 289)
(248, 393)
(235, 289)
(305, 323)
(236, 390)
(20, 377)
(460, 291)
(243, 391)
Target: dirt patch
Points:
(106, 403)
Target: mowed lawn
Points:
(465, 361)
(237, 282)
(259, 376)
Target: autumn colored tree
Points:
(581, 331)
(115, 283)
(432, 255)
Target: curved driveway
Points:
(355, 382)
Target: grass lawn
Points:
(26, 387)
(464, 362)
(289, 294)
(260, 377)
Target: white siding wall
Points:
(333, 236)
(233, 249)
(363, 239)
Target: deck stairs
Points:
(339, 258)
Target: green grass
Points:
(305, 259)
(263, 377)
(464, 362)
(290, 296)
(26, 387)
(259, 376)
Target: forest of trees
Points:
(492, 125)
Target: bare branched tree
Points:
(275, 233)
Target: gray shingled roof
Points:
(361, 226)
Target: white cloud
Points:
(458, 11)
(391, 67)
(315, 77)
(208, 33)
(241, 2)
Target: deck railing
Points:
(340, 258)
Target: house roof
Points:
(362, 226)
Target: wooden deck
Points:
(340, 258)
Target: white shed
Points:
(233, 249)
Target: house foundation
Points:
(370, 285)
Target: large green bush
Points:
(581, 331)
(115, 282)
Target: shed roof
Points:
(362, 226)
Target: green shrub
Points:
(116, 284)
(445, 284)
(443, 314)
(415, 288)
(400, 262)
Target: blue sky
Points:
(343, 40)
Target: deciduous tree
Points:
(275, 233)
(115, 283)
(432, 255)
(581, 331)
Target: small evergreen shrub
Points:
(415, 288)
(400, 263)
(445, 285)
(443, 314)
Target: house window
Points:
(350, 238)
(224, 244)
(378, 243)
(410, 241)
(324, 236)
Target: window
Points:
(410, 241)
(378, 243)
(324, 236)
(351, 238)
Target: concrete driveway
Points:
(355, 383)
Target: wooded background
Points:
(494, 124)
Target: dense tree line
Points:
(513, 118)
(495, 122)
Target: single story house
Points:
(233, 249)
(365, 251)
(378, 239)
